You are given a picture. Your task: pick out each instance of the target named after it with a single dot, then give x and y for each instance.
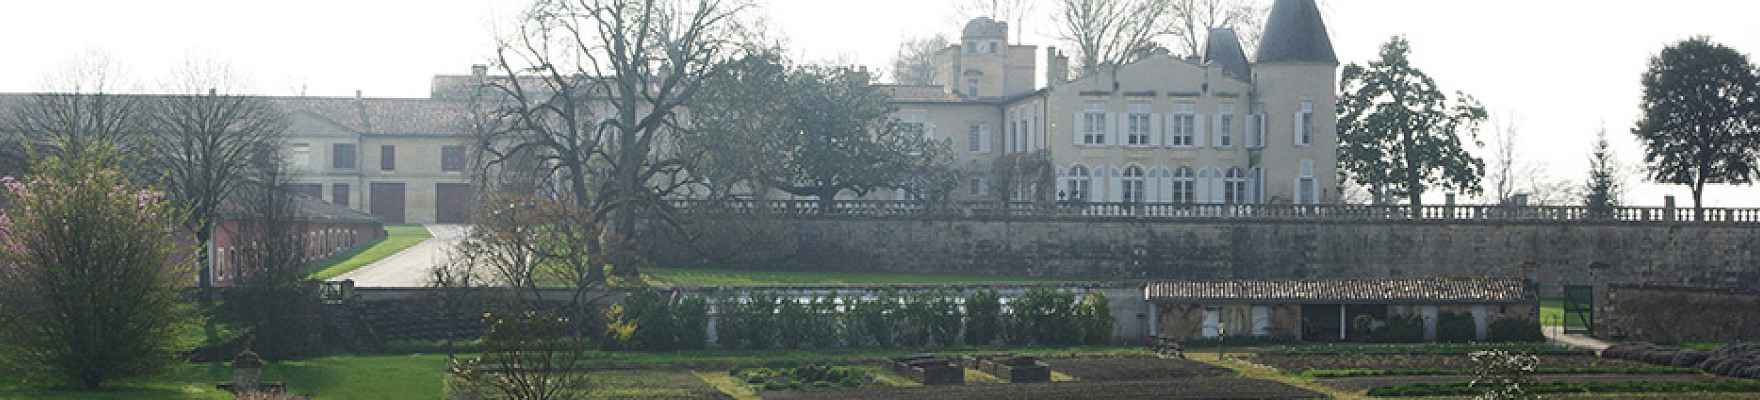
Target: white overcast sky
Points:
(1567, 68)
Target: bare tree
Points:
(594, 87)
(205, 145)
(1192, 21)
(271, 294)
(79, 108)
(915, 62)
(1505, 135)
(1109, 32)
(1017, 13)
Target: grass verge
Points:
(340, 377)
(735, 277)
(1552, 314)
(397, 238)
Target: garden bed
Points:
(1134, 367)
(1183, 388)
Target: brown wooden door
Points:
(387, 201)
(452, 202)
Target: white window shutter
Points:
(1154, 130)
(1115, 128)
(928, 131)
(984, 139)
(1295, 191)
(1096, 184)
(1219, 194)
(1216, 130)
(1295, 129)
(1199, 131)
(1152, 186)
(1115, 185)
(1166, 180)
(1202, 186)
(1079, 128)
(1165, 137)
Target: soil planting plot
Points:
(1133, 368)
(1184, 388)
(1298, 363)
(1357, 383)
(651, 384)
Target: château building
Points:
(1221, 128)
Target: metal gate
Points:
(1579, 309)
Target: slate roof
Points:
(919, 93)
(984, 27)
(306, 208)
(384, 115)
(1417, 290)
(1295, 32)
(1224, 48)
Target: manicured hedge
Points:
(1645, 369)
(1428, 348)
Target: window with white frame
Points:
(1133, 184)
(1225, 125)
(1307, 191)
(1306, 134)
(1094, 122)
(1184, 121)
(302, 155)
(972, 87)
(914, 122)
(1256, 126)
(1079, 183)
(1234, 186)
(1184, 185)
(980, 187)
(1138, 124)
(978, 139)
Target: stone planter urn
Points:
(247, 372)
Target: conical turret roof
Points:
(1295, 33)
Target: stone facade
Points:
(1157, 129)
(1698, 254)
(404, 160)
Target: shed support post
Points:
(1341, 323)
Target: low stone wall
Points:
(1197, 248)
(1680, 313)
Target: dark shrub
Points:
(1515, 330)
(1455, 327)
(1400, 329)
(983, 317)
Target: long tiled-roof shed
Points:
(1324, 310)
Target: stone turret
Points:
(1294, 80)
(1295, 32)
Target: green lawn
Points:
(397, 238)
(1552, 312)
(734, 277)
(337, 377)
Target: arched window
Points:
(1133, 184)
(1184, 185)
(1234, 186)
(1079, 183)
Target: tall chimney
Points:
(1056, 66)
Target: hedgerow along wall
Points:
(1715, 254)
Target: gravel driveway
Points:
(409, 268)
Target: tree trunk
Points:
(1698, 205)
(827, 197)
(205, 274)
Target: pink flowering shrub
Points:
(89, 282)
